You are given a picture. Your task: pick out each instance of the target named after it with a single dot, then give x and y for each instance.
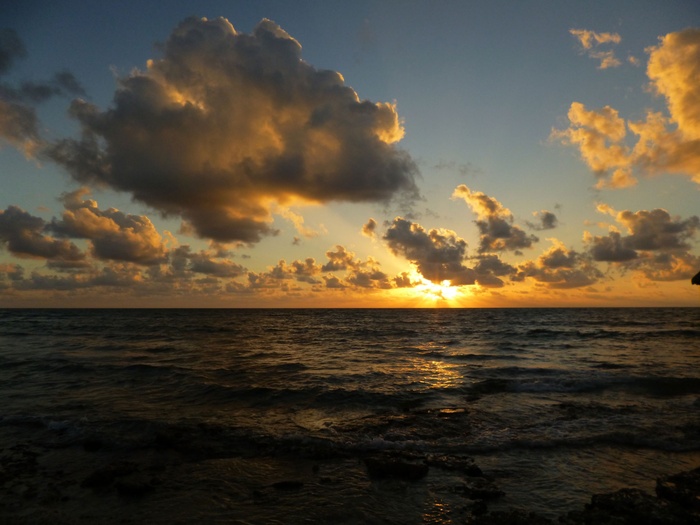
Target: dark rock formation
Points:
(683, 489)
(464, 465)
(105, 476)
(395, 468)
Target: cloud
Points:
(114, 235)
(609, 248)
(298, 222)
(489, 268)
(656, 244)
(662, 144)
(11, 48)
(369, 275)
(547, 221)
(438, 254)
(19, 125)
(183, 260)
(340, 259)
(356, 273)
(590, 40)
(674, 66)
(226, 125)
(666, 267)
(369, 228)
(495, 223)
(301, 271)
(23, 235)
(657, 230)
(560, 268)
(599, 136)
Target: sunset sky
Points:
(350, 154)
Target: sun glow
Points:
(443, 291)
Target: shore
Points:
(48, 476)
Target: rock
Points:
(479, 489)
(465, 465)
(134, 486)
(288, 485)
(92, 444)
(105, 476)
(682, 488)
(629, 507)
(510, 517)
(395, 468)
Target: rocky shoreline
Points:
(47, 479)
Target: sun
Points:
(444, 291)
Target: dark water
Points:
(220, 405)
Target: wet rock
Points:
(164, 440)
(395, 468)
(479, 489)
(683, 488)
(630, 507)
(92, 444)
(134, 486)
(465, 465)
(17, 461)
(510, 517)
(288, 485)
(105, 476)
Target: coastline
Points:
(48, 475)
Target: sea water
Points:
(265, 416)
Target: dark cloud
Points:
(370, 277)
(227, 124)
(667, 266)
(560, 268)
(657, 230)
(495, 223)
(11, 48)
(183, 260)
(23, 235)
(114, 235)
(656, 245)
(653, 230)
(546, 221)
(610, 248)
(19, 124)
(62, 84)
(489, 269)
(437, 254)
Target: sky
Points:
(336, 154)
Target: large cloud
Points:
(227, 125)
(437, 254)
(495, 223)
(664, 144)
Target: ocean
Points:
(339, 416)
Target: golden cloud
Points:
(663, 144)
